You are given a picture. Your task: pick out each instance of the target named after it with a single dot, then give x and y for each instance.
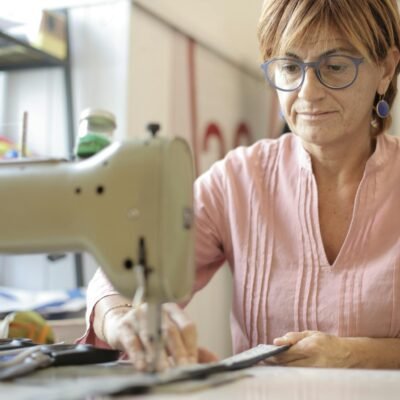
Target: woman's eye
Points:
(336, 64)
(290, 68)
(336, 67)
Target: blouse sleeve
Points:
(98, 288)
(211, 224)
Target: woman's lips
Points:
(315, 116)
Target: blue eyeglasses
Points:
(333, 71)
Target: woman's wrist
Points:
(104, 308)
(115, 309)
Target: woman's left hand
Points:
(313, 349)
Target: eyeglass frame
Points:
(315, 65)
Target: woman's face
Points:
(322, 116)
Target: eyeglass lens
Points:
(333, 71)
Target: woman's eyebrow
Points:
(326, 53)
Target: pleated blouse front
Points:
(258, 209)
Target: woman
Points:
(309, 222)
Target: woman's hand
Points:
(313, 349)
(126, 330)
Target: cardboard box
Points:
(51, 35)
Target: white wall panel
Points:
(41, 93)
(226, 25)
(151, 61)
(99, 53)
(227, 97)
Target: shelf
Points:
(19, 54)
(16, 53)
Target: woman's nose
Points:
(311, 88)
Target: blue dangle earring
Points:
(382, 108)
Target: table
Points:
(286, 383)
(257, 383)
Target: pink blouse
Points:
(258, 209)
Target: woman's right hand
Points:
(125, 329)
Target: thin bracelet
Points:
(103, 321)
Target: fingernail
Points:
(192, 360)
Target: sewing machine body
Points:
(130, 204)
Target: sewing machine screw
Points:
(133, 213)
(78, 190)
(100, 189)
(153, 128)
(128, 263)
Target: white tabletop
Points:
(286, 383)
(257, 383)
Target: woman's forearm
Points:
(319, 349)
(373, 352)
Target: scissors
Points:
(22, 361)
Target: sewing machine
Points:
(130, 206)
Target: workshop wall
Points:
(191, 90)
(195, 92)
(143, 69)
(100, 40)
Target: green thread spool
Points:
(96, 130)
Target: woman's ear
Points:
(389, 65)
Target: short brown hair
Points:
(371, 26)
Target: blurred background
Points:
(190, 65)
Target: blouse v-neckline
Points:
(373, 163)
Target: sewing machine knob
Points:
(153, 128)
